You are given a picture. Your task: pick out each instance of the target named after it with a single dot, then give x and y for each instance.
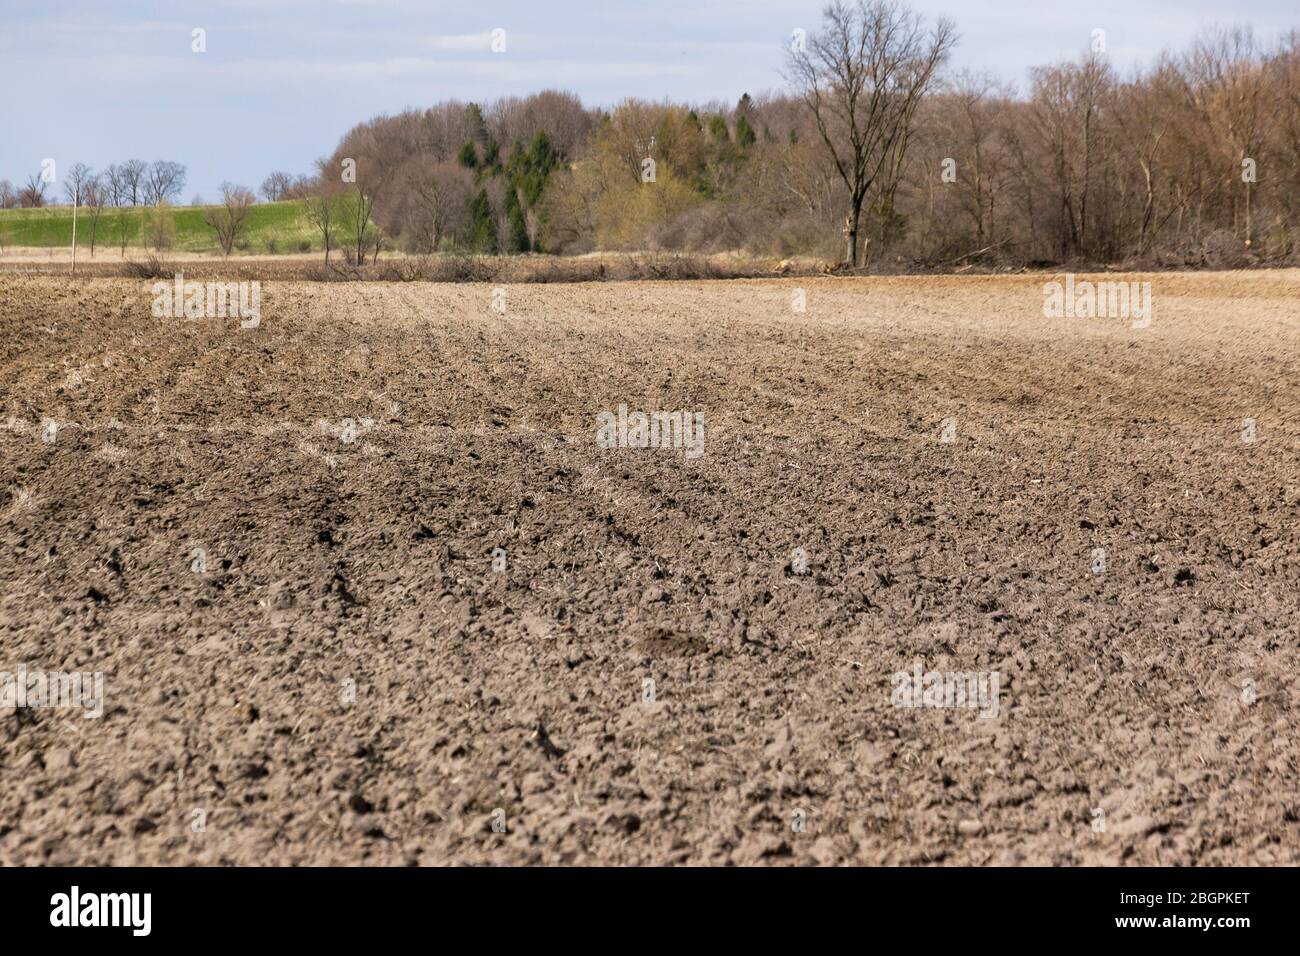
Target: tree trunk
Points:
(851, 228)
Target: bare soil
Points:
(350, 681)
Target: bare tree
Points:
(355, 205)
(159, 226)
(112, 185)
(276, 186)
(94, 197)
(8, 195)
(230, 218)
(862, 79)
(561, 116)
(429, 204)
(133, 181)
(975, 147)
(74, 187)
(115, 188)
(1144, 115)
(163, 182)
(1237, 105)
(323, 212)
(32, 195)
(1065, 112)
(74, 182)
(301, 187)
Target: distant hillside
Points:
(278, 227)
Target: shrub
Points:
(150, 267)
(160, 228)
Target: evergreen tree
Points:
(530, 169)
(519, 241)
(477, 123)
(744, 132)
(468, 155)
(482, 224)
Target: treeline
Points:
(119, 186)
(130, 183)
(456, 176)
(1195, 160)
(874, 154)
(544, 173)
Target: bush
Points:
(678, 267)
(543, 269)
(469, 268)
(150, 267)
(713, 228)
(1222, 250)
(437, 268)
(160, 227)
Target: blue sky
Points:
(282, 80)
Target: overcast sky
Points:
(282, 80)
